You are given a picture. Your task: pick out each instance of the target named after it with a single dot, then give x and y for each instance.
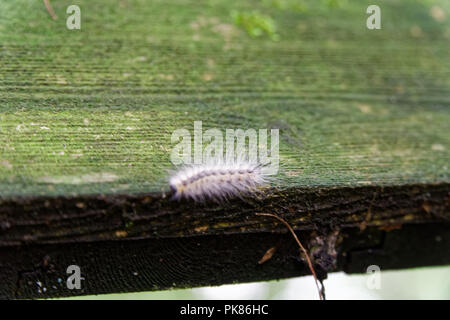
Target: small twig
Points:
(301, 247)
(50, 10)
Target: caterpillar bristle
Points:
(218, 181)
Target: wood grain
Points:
(86, 118)
(92, 111)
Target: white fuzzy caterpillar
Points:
(218, 181)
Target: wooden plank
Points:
(95, 218)
(86, 118)
(152, 264)
(92, 111)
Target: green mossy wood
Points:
(86, 118)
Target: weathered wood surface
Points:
(92, 111)
(95, 218)
(86, 118)
(157, 264)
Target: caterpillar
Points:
(218, 181)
